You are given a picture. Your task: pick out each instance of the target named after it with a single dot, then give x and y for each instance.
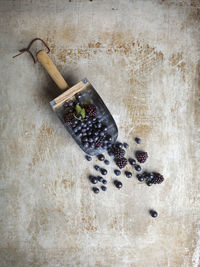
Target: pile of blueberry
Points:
(83, 119)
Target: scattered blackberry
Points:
(104, 181)
(107, 162)
(117, 172)
(126, 145)
(97, 168)
(101, 157)
(103, 171)
(138, 168)
(138, 140)
(100, 179)
(118, 184)
(121, 162)
(128, 174)
(104, 188)
(141, 156)
(132, 161)
(69, 118)
(88, 158)
(157, 179)
(153, 213)
(119, 152)
(91, 110)
(95, 190)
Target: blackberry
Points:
(119, 152)
(157, 179)
(128, 174)
(121, 162)
(69, 118)
(141, 156)
(91, 110)
(95, 190)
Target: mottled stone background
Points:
(143, 57)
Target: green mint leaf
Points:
(87, 102)
(83, 113)
(78, 109)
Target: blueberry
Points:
(97, 168)
(88, 158)
(104, 181)
(83, 130)
(101, 157)
(128, 174)
(119, 145)
(107, 162)
(151, 175)
(99, 125)
(109, 145)
(153, 213)
(79, 134)
(140, 178)
(70, 103)
(95, 190)
(118, 184)
(79, 116)
(138, 168)
(104, 188)
(126, 145)
(94, 119)
(138, 140)
(100, 179)
(117, 172)
(96, 138)
(92, 145)
(103, 171)
(102, 134)
(85, 139)
(104, 147)
(105, 129)
(65, 105)
(93, 180)
(90, 140)
(89, 133)
(132, 161)
(86, 144)
(110, 153)
(109, 137)
(78, 97)
(149, 183)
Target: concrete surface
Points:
(143, 58)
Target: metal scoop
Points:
(86, 92)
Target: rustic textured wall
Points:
(143, 58)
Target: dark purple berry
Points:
(119, 145)
(104, 188)
(95, 190)
(107, 162)
(140, 178)
(128, 174)
(88, 158)
(117, 172)
(141, 156)
(118, 184)
(103, 171)
(110, 153)
(70, 103)
(153, 213)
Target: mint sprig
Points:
(80, 110)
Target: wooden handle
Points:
(46, 62)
